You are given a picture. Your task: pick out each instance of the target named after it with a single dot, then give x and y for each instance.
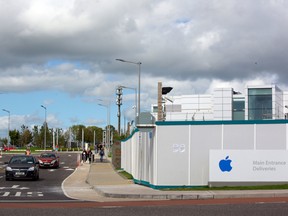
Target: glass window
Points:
(259, 104)
(238, 109)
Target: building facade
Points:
(226, 138)
(256, 103)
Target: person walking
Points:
(90, 153)
(84, 156)
(101, 153)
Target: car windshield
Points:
(22, 160)
(47, 155)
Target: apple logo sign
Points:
(225, 165)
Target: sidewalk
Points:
(100, 182)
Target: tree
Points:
(89, 134)
(14, 137)
(25, 136)
(36, 136)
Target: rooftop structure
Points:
(256, 103)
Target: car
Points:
(6, 148)
(49, 160)
(22, 167)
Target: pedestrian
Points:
(100, 146)
(84, 155)
(96, 148)
(90, 155)
(101, 153)
(27, 152)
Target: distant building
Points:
(256, 103)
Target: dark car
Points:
(22, 167)
(49, 159)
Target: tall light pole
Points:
(108, 131)
(45, 126)
(139, 83)
(8, 135)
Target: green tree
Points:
(26, 136)
(89, 134)
(36, 136)
(14, 137)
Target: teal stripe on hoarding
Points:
(228, 122)
(131, 135)
(157, 187)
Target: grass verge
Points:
(259, 187)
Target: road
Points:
(48, 187)
(159, 208)
(45, 197)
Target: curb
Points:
(204, 196)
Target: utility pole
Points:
(119, 103)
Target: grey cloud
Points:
(186, 40)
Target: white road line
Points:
(6, 194)
(40, 194)
(29, 194)
(18, 194)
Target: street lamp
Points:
(45, 126)
(108, 122)
(8, 136)
(139, 79)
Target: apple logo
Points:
(225, 165)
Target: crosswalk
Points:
(18, 191)
(21, 194)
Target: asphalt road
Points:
(143, 209)
(45, 197)
(48, 187)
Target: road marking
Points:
(40, 194)
(21, 194)
(6, 194)
(17, 187)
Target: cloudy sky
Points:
(61, 54)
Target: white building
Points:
(243, 141)
(257, 102)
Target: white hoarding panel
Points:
(248, 166)
(172, 155)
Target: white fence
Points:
(177, 153)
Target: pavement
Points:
(101, 182)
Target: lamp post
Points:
(139, 82)
(45, 126)
(8, 135)
(108, 123)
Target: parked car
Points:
(49, 159)
(22, 167)
(6, 148)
